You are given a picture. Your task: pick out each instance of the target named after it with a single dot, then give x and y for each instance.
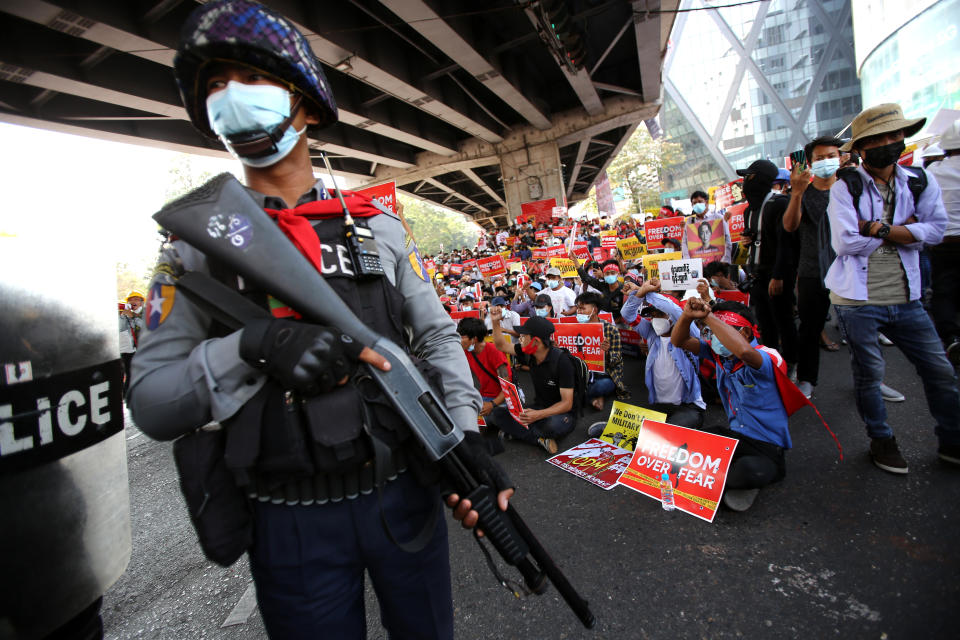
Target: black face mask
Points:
(883, 157)
(756, 189)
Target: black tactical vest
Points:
(287, 448)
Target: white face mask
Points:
(660, 325)
(241, 108)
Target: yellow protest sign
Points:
(651, 261)
(515, 267)
(566, 266)
(631, 249)
(608, 232)
(505, 254)
(623, 426)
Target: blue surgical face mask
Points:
(633, 272)
(825, 168)
(718, 347)
(542, 312)
(240, 108)
(468, 307)
(699, 208)
(714, 283)
(553, 283)
(583, 317)
(611, 279)
(470, 348)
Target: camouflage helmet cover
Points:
(247, 33)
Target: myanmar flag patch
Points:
(416, 263)
(159, 304)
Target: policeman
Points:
(336, 485)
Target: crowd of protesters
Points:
(848, 233)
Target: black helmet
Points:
(247, 33)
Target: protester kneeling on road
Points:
(671, 374)
(746, 377)
(609, 383)
(551, 416)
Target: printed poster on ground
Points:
(583, 341)
(623, 425)
(705, 239)
(598, 462)
(696, 463)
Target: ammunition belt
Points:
(322, 488)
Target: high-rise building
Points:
(753, 81)
(909, 53)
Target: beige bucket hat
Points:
(882, 118)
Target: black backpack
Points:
(581, 377)
(917, 182)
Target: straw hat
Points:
(883, 118)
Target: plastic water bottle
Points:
(666, 493)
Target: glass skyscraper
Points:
(754, 81)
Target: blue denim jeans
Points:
(601, 386)
(911, 330)
(555, 427)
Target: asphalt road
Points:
(837, 549)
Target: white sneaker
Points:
(739, 499)
(806, 388)
(890, 394)
(884, 340)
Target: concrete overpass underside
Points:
(475, 106)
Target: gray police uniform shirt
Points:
(182, 380)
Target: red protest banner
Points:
(696, 463)
(656, 230)
(608, 242)
(430, 265)
(541, 235)
(456, 269)
(469, 264)
(492, 266)
(512, 398)
(581, 250)
(556, 251)
(736, 222)
(459, 315)
(541, 253)
(385, 194)
(510, 240)
(598, 254)
(561, 232)
(729, 194)
(582, 340)
(540, 210)
(596, 461)
(630, 342)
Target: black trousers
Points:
(945, 261)
(755, 463)
(683, 415)
(813, 303)
(775, 315)
(125, 359)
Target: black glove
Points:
(476, 456)
(303, 357)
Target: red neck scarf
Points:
(295, 223)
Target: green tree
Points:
(637, 167)
(433, 226)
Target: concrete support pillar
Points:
(530, 173)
